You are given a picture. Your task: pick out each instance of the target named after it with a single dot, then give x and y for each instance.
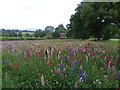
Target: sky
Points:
(35, 14)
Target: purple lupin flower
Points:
(66, 56)
(76, 50)
(80, 72)
(26, 57)
(61, 65)
(55, 71)
(54, 48)
(50, 47)
(118, 62)
(83, 77)
(71, 52)
(4, 62)
(118, 75)
(76, 86)
(80, 50)
(73, 63)
(113, 68)
(87, 47)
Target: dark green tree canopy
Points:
(95, 19)
(39, 33)
(20, 34)
(49, 28)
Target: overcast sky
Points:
(24, 14)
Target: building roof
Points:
(62, 35)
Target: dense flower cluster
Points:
(70, 64)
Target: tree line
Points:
(49, 32)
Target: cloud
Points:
(24, 14)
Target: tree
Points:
(27, 35)
(42, 34)
(95, 19)
(59, 29)
(20, 34)
(70, 33)
(49, 29)
(39, 33)
(11, 33)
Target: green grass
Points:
(27, 32)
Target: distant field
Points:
(27, 32)
(31, 33)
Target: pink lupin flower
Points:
(88, 54)
(80, 59)
(53, 64)
(16, 66)
(110, 63)
(84, 50)
(58, 57)
(37, 53)
(10, 65)
(103, 51)
(48, 56)
(48, 63)
(41, 54)
(51, 52)
(29, 54)
(42, 80)
(44, 56)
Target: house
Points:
(63, 35)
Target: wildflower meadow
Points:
(60, 63)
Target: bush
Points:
(20, 38)
(48, 37)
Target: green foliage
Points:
(56, 35)
(48, 37)
(39, 33)
(9, 33)
(7, 82)
(27, 35)
(58, 30)
(49, 30)
(100, 20)
(20, 34)
(109, 32)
